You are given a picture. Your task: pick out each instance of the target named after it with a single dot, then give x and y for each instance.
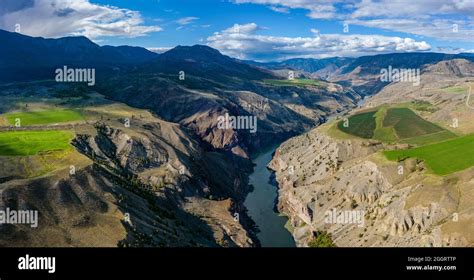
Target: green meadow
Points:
(43, 117)
(442, 158)
(26, 143)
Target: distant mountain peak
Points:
(205, 62)
(196, 48)
(196, 52)
(83, 40)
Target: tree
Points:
(321, 239)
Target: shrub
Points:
(322, 239)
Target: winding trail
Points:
(468, 97)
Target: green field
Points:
(430, 138)
(424, 106)
(26, 143)
(397, 124)
(361, 125)
(295, 82)
(441, 158)
(456, 89)
(381, 132)
(407, 124)
(43, 117)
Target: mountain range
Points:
(29, 58)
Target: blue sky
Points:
(255, 29)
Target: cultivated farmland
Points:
(361, 125)
(442, 158)
(395, 124)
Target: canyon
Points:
(148, 164)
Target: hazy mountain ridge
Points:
(362, 73)
(309, 65)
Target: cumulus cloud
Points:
(57, 18)
(243, 41)
(429, 18)
(248, 28)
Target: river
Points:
(261, 203)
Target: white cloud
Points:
(321, 9)
(435, 19)
(279, 9)
(315, 31)
(57, 18)
(186, 20)
(443, 29)
(242, 41)
(413, 9)
(429, 18)
(241, 28)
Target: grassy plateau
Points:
(43, 117)
(26, 143)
